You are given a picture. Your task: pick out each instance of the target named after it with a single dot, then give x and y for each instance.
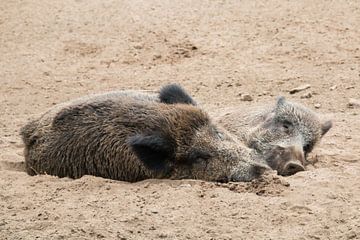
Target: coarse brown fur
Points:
(130, 137)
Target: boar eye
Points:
(220, 135)
(287, 125)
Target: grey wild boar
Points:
(132, 136)
(283, 134)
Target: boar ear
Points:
(325, 127)
(152, 150)
(280, 103)
(269, 117)
(174, 93)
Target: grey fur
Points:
(287, 125)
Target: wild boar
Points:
(283, 134)
(132, 136)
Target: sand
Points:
(54, 51)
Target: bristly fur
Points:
(174, 93)
(285, 124)
(128, 136)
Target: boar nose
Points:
(292, 167)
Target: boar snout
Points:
(292, 167)
(286, 160)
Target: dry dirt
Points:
(53, 51)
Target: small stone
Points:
(307, 95)
(246, 97)
(154, 211)
(351, 235)
(232, 187)
(333, 88)
(186, 54)
(162, 235)
(157, 56)
(317, 105)
(354, 103)
(138, 46)
(300, 88)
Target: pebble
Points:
(354, 103)
(317, 105)
(300, 88)
(138, 46)
(333, 88)
(157, 56)
(162, 235)
(351, 235)
(246, 97)
(264, 93)
(307, 95)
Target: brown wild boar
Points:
(130, 136)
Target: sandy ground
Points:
(53, 51)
